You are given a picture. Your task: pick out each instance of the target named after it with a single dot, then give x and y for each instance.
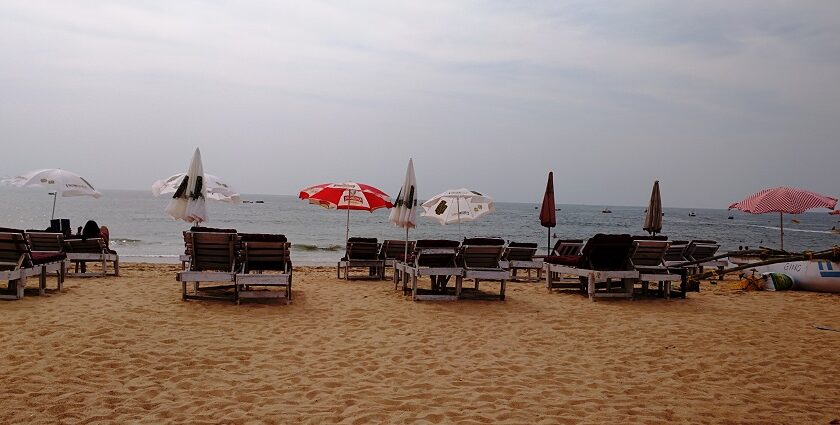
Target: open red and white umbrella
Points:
(782, 200)
(347, 196)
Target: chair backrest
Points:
(187, 243)
(676, 251)
(701, 249)
(520, 251)
(367, 249)
(214, 251)
(393, 249)
(649, 253)
(568, 247)
(480, 256)
(45, 241)
(85, 246)
(435, 253)
(14, 251)
(608, 252)
(262, 251)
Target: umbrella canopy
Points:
(782, 200)
(347, 196)
(404, 213)
(215, 187)
(188, 202)
(457, 206)
(653, 218)
(548, 216)
(57, 181)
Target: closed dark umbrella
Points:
(548, 218)
(653, 218)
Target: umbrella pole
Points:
(548, 245)
(782, 228)
(458, 204)
(347, 229)
(405, 257)
(55, 196)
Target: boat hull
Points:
(814, 275)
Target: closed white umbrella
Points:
(215, 187)
(457, 206)
(188, 202)
(56, 180)
(404, 213)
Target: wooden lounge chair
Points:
(92, 250)
(17, 263)
(362, 252)
(699, 250)
(562, 248)
(215, 259)
(49, 243)
(480, 258)
(648, 259)
(520, 256)
(393, 251)
(604, 260)
(263, 253)
(187, 255)
(435, 258)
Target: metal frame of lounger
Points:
(520, 264)
(591, 279)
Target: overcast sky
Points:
(716, 99)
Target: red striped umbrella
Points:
(347, 196)
(783, 200)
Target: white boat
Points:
(606, 211)
(813, 275)
(691, 214)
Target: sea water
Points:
(141, 231)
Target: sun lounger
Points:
(92, 250)
(18, 262)
(49, 243)
(393, 251)
(187, 255)
(215, 260)
(520, 256)
(699, 250)
(266, 264)
(362, 252)
(480, 259)
(562, 248)
(604, 260)
(648, 259)
(435, 258)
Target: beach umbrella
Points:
(216, 189)
(548, 216)
(404, 213)
(782, 200)
(188, 202)
(347, 196)
(457, 206)
(653, 217)
(57, 181)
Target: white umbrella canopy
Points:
(57, 181)
(404, 213)
(457, 206)
(188, 202)
(216, 188)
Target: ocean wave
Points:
(309, 247)
(788, 229)
(123, 241)
(151, 256)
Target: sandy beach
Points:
(129, 350)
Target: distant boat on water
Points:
(691, 214)
(730, 218)
(606, 211)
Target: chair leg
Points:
(502, 289)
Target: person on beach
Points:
(92, 230)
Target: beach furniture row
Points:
(28, 254)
